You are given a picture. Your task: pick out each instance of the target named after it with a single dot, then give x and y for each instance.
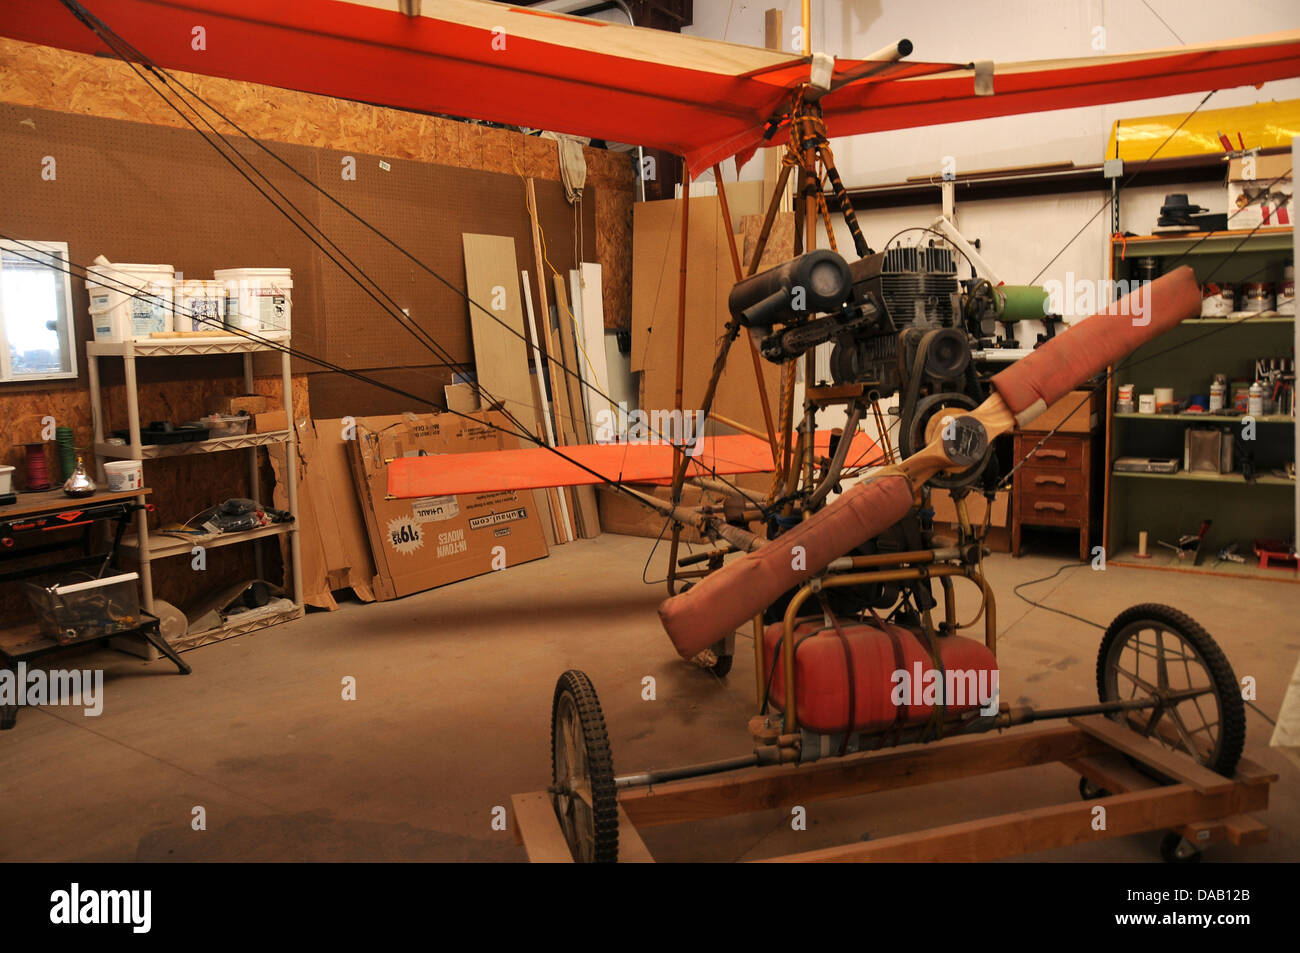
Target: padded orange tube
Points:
(1033, 383)
(723, 601)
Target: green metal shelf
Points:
(1207, 243)
(1210, 565)
(1210, 418)
(1187, 360)
(1263, 479)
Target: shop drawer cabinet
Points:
(1056, 487)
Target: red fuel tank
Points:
(892, 669)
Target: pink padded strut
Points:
(1031, 385)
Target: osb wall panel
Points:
(613, 249)
(95, 86)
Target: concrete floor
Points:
(453, 702)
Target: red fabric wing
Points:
(570, 83)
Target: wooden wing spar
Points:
(703, 99)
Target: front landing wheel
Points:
(582, 771)
(1153, 651)
(1176, 849)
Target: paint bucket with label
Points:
(200, 306)
(129, 302)
(258, 300)
(1257, 296)
(124, 475)
(1146, 403)
(1218, 299)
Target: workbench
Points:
(37, 524)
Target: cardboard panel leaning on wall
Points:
(335, 549)
(709, 279)
(420, 544)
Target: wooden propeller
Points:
(725, 600)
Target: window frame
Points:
(69, 334)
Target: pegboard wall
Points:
(139, 192)
(143, 193)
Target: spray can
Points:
(1255, 404)
(1217, 390)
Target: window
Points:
(36, 337)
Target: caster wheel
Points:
(582, 771)
(1155, 651)
(1089, 791)
(1176, 849)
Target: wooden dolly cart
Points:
(1161, 751)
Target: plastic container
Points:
(221, 426)
(6, 479)
(129, 302)
(258, 300)
(200, 306)
(124, 475)
(82, 607)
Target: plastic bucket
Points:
(124, 475)
(200, 306)
(6, 479)
(258, 300)
(129, 302)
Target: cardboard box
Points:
(1076, 412)
(1265, 197)
(228, 405)
(945, 517)
(422, 543)
(269, 422)
(462, 398)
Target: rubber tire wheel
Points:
(1090, 792)
(1169, 845)
(600, 763)
(1232, 710)
(722, 667)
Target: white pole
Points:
(546, 404)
